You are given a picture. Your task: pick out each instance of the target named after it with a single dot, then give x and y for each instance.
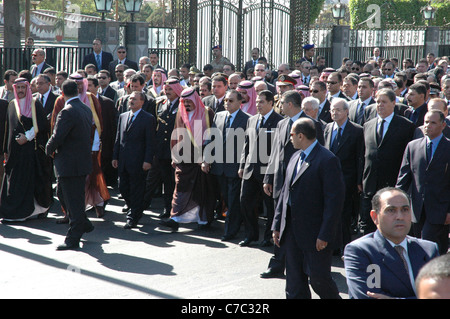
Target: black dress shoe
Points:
(170, 223)
(246, 242)
(88, 228)
(164, 214)
(125, 208)
(68, 246)
(271, 273)
(129, 225)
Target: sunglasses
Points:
(387, 69)
(355, 69)
(314, 91)
(121, 52)
(101, 77)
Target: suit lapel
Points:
(306, 163)
(345, 135)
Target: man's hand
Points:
(206, 167)
(240, 173)
(146, 166)
(276, 237)
(378, 296)
(115, 163)
(268, 188)
(320, 244)
(21, 139)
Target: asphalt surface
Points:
(149, 262)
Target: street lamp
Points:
(103, 6)
(338, 11)
(428, 12)
(35, 3)
(132, 6)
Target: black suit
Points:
(35, 71)
(112, 67)
(353, 110)
(309, 209)
(49, 103)
(149, 105)
(105, 59)
(429, 185)
(370, 112)
(325, 114)
(350, 151)
(257, 149)
(341, 95)
(249, 65)
(71, 143)
(210, 101)
(226, 169)
(109, 92)
(135, 144)
(417, 119)
(382, 162)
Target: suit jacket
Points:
(374, 249)
(149, 105)
(271, 87)
(41, 70)
(3, 112)
(258, 145)
(109, 92)
(382, 163)
(325, 114)
(420, 117)
(350, 152)
(107, 57)
(210, 101)
(229, 166)
(71, 140)
(166, 123)
(112, 67)
(136, 143)
(49, 103)
(353, 110)
(430, 184)
(341, 95)
(281, 153)
(370, 111)
(248, 65)
(419, 133)
(317, 197)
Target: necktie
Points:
(261, 122)
(99, 64)
(216, 106)
(380, 132)
(429, 152)
(289, 130)
(360, 115)
(130, 120)
(336, 141)
(399, 249)
(298, 165)
(227, 125)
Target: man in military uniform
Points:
(284, 83)
(218, 59)
(162, 170)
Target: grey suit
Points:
(71, 143)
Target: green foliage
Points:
(394, 12)
(314, 11)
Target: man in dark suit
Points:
(425, 172)
(137, 84)
(346, 140)
(308, 214)
(133, 155)
(121, 59)
(260, 132)
(385, 263)
(219, 89)
(417, 95)
(385, 138)
(99, 58)
(227, 153)
(319, 91)
(358, 106)
(38, 58)
(280, 155)
(334, 84)
(104, 79)
(252, 63)
(71, 146)
(45, 95)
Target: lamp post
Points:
(103, 6)
(35, 3)
(429, 12)
(338, 11)
(132, 7)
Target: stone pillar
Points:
(136, 36)
(107, 31)
(432, 40)
(340, 44)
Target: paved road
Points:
(147, 262)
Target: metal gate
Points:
(276, 27)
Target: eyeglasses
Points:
(121, 51)
(355, 69)
(331, 82)
(101, 77)
(387, 69)
(314, 91)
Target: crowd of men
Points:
(324, 154)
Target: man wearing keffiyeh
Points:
(26, 189)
